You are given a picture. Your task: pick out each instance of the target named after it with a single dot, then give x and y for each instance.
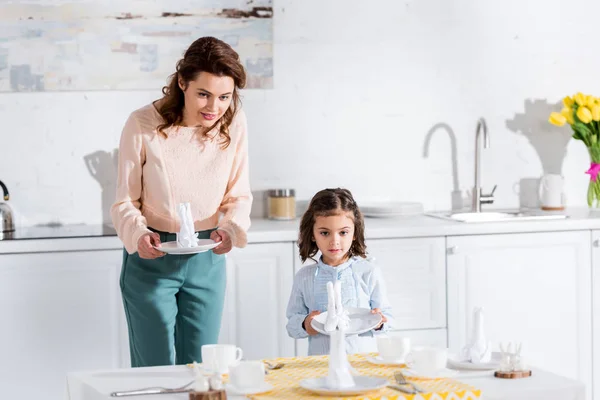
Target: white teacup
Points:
(393, 348)
(218, 357)
(247, 374)
(428, 359)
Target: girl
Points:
(334, 225)
(189, 146)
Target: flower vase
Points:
(593, 193)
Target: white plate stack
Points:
(391, 209)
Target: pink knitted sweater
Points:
(157, 173)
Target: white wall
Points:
(359, 85)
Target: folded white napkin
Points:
(337, 322)
(186, 237)
(478, 350)
(339, 368)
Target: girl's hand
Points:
(223, 237)
(383, 318)
(145, 246)
(307, 326)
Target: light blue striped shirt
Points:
(362, 286)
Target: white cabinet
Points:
(535, 288)
(415, 275)
(596, 310)
(259, 282)
(61, 312)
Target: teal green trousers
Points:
(173, 304)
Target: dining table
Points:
(99, 384)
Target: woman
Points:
(189, 146)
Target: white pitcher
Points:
(552, 192)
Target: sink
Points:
(496, 216)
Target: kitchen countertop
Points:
(59, 232)
(265, 230)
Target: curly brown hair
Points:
(207, 54)
(326, 203)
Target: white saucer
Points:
(361, 321)
(442, 373)
(173, 248)
(380, 361)
(362, 384)
(264, 387)
(455, 362)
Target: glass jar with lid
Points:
(281, 204)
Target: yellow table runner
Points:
(286, 381)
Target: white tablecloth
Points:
(97, 385)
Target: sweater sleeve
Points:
(126, 215)
(237, 201)
(297, 310)
(379, 298)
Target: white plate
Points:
(362, 384)
(387, 215)
(442, 373)
(455, 362)
(232, 390)
(380, 361)
(391, 208)
(173, 248)
(361, 321)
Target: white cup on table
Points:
(393, 348)
(247, 375)
(219, 357)
(426, 359)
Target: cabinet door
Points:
(62, 312)
(415, 275)
(535, 288)
(259, 282)
(596, 311)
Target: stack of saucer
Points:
(391, 209)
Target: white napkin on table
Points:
(186, 237)
(339, 376)
(337, 321)
(478, 350)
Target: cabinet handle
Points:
(596, 243)
(452, 250)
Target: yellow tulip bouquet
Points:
(582, 113)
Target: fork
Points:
(273, 366)
(153, 390)
(401, 380)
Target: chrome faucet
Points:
(478, 197)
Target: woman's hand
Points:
(145, 249)
(223, 237)
(307, 326)
(383, 318)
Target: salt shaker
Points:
(201, 384)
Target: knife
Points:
(152, 390)
(402, 388)
(147, 391)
